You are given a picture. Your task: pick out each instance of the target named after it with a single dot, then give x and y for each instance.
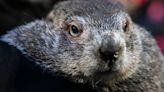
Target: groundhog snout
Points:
(109, 48)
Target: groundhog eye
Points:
(125, 26)
(74, 31)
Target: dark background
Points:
(20, 75)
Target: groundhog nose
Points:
(109, 49)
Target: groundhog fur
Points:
(93, 42)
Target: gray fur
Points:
(137, 68)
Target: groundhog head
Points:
(85, 41)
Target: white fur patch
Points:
(81, 19)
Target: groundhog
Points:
(94, 42)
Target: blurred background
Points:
(147, 13)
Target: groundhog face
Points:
(97, 44)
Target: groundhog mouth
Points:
(110, 62)
(114, 56)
